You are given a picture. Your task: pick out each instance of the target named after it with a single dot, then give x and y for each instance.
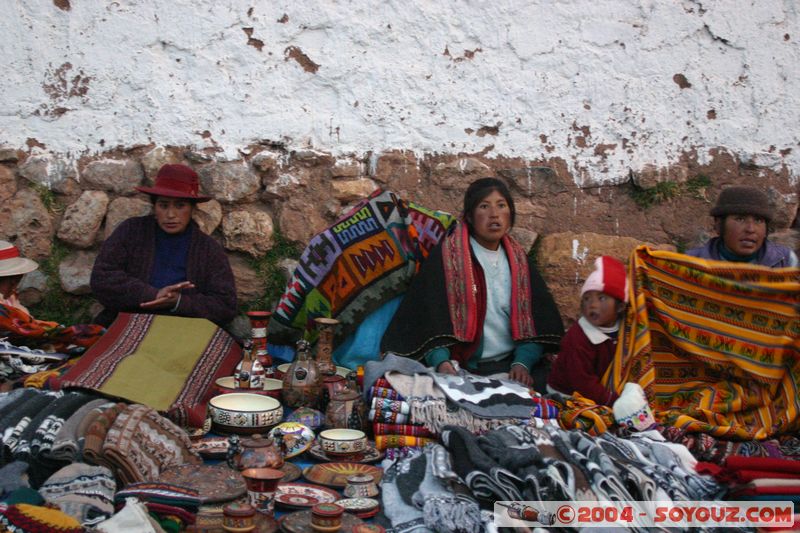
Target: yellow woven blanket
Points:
(715, 345)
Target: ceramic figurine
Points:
(302, 383)
(346, 407)
(259, 320)
(249, 373)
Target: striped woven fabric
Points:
(714, 344)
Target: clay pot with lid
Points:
(256, 451)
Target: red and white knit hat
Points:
(608, 277)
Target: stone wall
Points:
(301, 192)
(614, 122)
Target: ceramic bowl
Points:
(307, 416)
(272, 387)
(244, 412)
(297, 438)
(341, 442)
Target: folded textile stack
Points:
(82, 491)
(757, 478)
(521, 463)
(19, 361)
(165, 500)
(389, 414)
(38, 428)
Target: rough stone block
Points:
(25, 221)
(156, 158)
(82, 219)
(119, 176)
(75, 271)
(248, 231)
(229, 182)
(249, 285)
(350, 190)
(8, 183)
(208, 216)
(123, 208)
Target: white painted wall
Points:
(164, 71)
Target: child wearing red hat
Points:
(588, 347)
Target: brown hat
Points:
(743, 200)
(176, 181)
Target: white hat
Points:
(11, 264)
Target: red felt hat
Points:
(608, 277)
(176, 181)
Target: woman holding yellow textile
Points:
(742, 216)
(499, 314)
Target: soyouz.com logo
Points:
(682, 514)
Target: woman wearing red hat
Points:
(163, 263)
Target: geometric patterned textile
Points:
(165, 362)
(715, 345)
(363, 260)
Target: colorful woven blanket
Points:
(165, 362)
(714, 344)
(366, 258)
(21, 329)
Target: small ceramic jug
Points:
(346, 407)
(326, 328)
(255, 452)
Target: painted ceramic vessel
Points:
(326, 517)
(259, 321)
(296, 438)
(326, 328)
(361, 486)
(249, 373)
(262, 483)
(244, 413)
(302, 383)
(258, 452)
(238, 517)
(342, 442)
(346, 408)
(306, 416)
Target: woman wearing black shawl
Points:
(478, 301)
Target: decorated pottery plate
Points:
(358, 505)
(336, 474)
(369, 455)
(300, 522)
(212, 447)
(297, 437)
(303, 495)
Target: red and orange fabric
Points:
(21, 329)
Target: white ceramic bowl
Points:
(342, 441)
(272, 387)
(244, 412)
